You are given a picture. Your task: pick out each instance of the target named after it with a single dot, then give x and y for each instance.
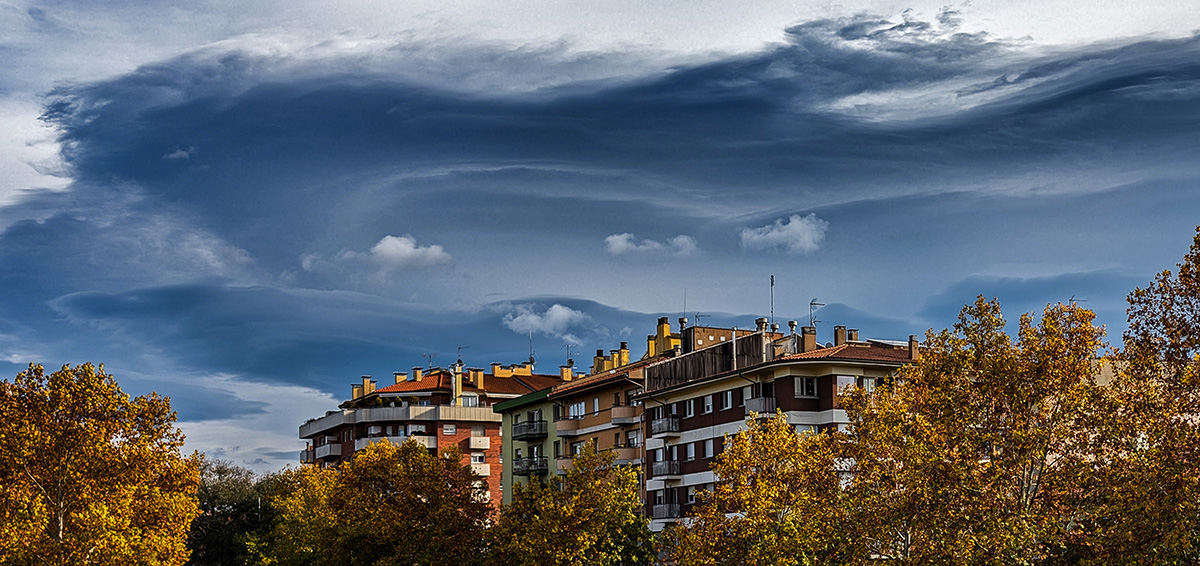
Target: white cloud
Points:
(799, 235)
(622, 244)
(388, 255)
(555, 321)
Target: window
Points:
(674, 409)
(806, 387)
(577, 448)
(802, 429)
(708, 404)
(868, 384)
(595, 405)
(449, 429)
(557, 449)
(727, 400)
(675, 452)
(633, 438)
(708, 448)
(576, 410)
(690, 451)
(747, 393)
(423, 403)
(691, 494)
(844, 381)
(689, 408)
(477, 430)
(470, 400)
(416, 429)
(517, 453)
(477, 457)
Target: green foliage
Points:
(91, 476)
(230, 511)
(390, 505)
(590, 516)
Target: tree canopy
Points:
(90, 475)
(590, 515)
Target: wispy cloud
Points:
(798, 235)
(625, 244)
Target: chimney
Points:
(839, 335)
(495, 369)
(651, 351)
(477, 377)
(614, 359)
(624, 353)
(565, 372)
(416, 374)
(914, 348)
(852, 335)
(368, 386)
(761, 323)
(792, 326)
(808, 338)
(682, 323)
(400, 376)
(355, 391)
(774, 327)
(664, 327)
(598, 362)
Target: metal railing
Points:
(665, 425)
(529, 429)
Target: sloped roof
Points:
(603, 378)
(439, 380)
(856, 351)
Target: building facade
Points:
(438, 408)
(692, 401)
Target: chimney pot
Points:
(682, 323)
(914, 348)
(852, 335)
(416, 373)
(792, 326)
(761, 323)
(808, 338)
(839, 335)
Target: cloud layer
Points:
(798, 235)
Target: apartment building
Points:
(527, 424)
(437, 407)
(693, 400)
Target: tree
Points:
(91, 476)
(776, 501)
(389, 505)
(230, 510)
(1152, 508)
(591, 515)
(985, 451)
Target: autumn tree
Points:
(390, 505)
(1151, 506)
(590, 515)
(776, 501)
(230, 509)
(90, 475)
(985, 451)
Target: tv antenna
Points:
(429, 359)
(698, 316)
(571, 355)
(1073, 300)
(460, 349)
(813, 305)
(530, 347)
(772, 299)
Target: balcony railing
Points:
(664, 468)
(529, 430)
(665, 425)
(328, 451)
(626, 414)
(306, 456)
(567, 426)
(479, 443)
(482, 469)
(760, 405)
(665, 511)
(531, 466)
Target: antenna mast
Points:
(772, 299)
(813, 305)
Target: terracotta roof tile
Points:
(440, 381)
(855, 352)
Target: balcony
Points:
(426, 440)
(665, 511)
(666, 426)
(628, 455)
(623, 415)
(328, 451)
(484, 470)
(567, 427)
(664, 469)
(530, 466)
(479, 443)
(306, 457)
(761, 405)
(529, 430)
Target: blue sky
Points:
(246, 205)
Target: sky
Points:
(247, 205)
